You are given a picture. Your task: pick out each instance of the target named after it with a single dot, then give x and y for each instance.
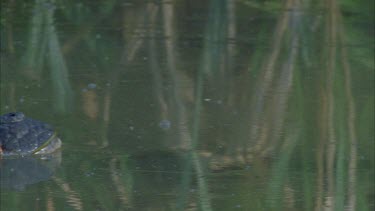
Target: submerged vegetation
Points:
(266, 105)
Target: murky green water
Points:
(192, 105)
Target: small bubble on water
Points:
(165, 124)
(91, 86)
(22, 99)
(238, 206)
(84, 90)
(89, 174)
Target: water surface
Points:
(192, 105)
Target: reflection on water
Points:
(17, 173)
(203, 105)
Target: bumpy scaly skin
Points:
(20, 135)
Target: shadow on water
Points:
(204, 105)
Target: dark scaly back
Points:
(20, 135)
(7, 119)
